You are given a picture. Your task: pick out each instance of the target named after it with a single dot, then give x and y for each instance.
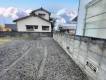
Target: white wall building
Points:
(37, 21)
(91, 31)
(69, 28)
(81, 16)
(91, 20)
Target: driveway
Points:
(40, 59)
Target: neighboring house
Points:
(37, 21)
(81, 17)
(70, 28)
(4, 29)
(11, 27)
(91, 34)
(92, 19)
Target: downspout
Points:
(78, 16)
(84, 30)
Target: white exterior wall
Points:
(94, 24)
(81, 16)
(46, 14)
(21, 24)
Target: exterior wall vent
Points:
(91, 66)
(68, 47)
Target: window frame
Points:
(45, 29)
(33, 27)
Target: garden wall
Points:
(31, 35)
(89, 53)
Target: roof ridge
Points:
(30, 16)
(41, 9)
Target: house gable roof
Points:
(75, 19)
(11, 26)
(42, 9)
(30, 16)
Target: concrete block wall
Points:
(88, 53)
(30, 35)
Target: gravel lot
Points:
(40, 59)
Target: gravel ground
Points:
(59, 66)
(40, 59)
(11, 52)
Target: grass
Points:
(4, 40)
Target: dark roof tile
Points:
(42, 10)
(30, 16)
(11, 26)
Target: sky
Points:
(12, 9)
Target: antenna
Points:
(42, 3)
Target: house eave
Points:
(41, 9)
(31, 16)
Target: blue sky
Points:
(33, 4)
(51, 5)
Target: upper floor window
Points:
(41, 14)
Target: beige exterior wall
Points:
(21, 24)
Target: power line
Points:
(43, 3)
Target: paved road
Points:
(45, 60)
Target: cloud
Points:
(60, 12)
(2, 10)
(28, 11)
(13, 13)
(66, 15)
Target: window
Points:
(31, 27)
(35, 27)
(45, 27)
(41, 14)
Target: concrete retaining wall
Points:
(32, 35)
(88, 53)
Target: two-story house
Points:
(37, 21)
